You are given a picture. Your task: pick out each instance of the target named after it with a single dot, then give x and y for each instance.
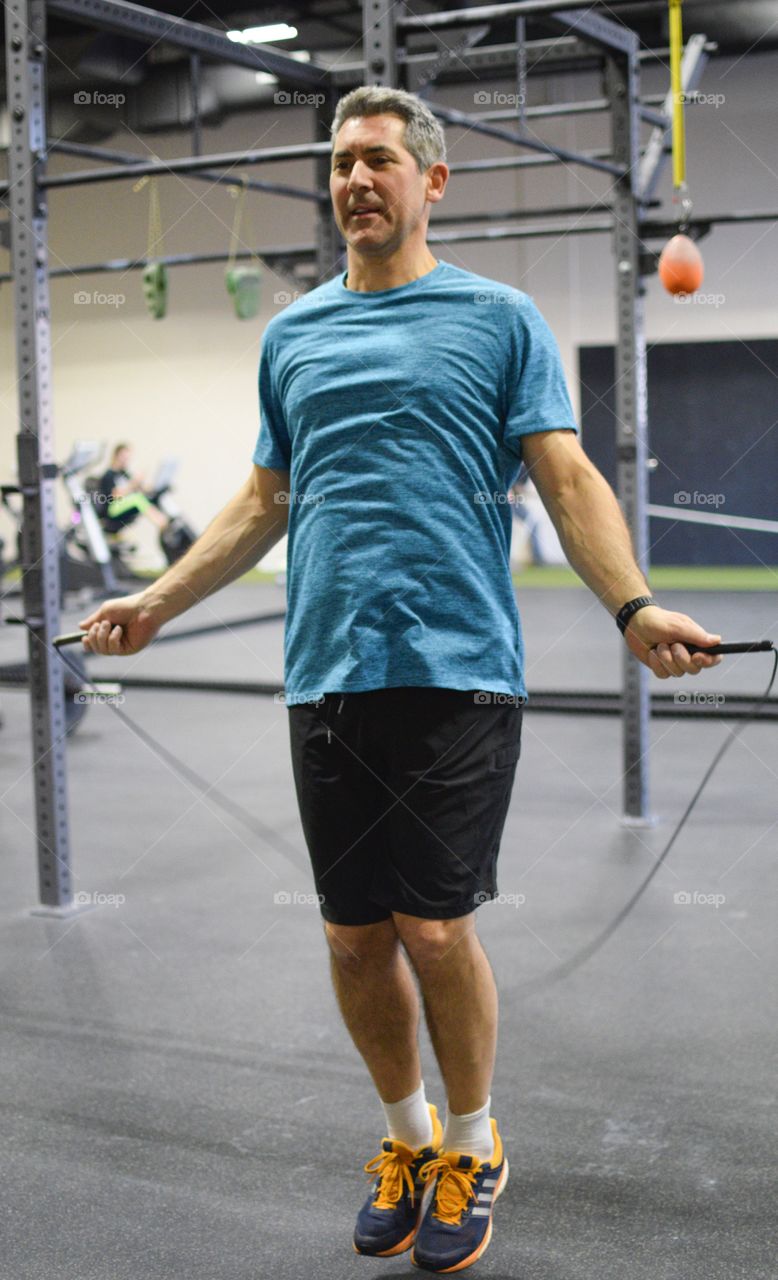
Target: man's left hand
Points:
(656, 637)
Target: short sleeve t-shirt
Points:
(109, 481)
(400, 414)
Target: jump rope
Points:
(253, 824)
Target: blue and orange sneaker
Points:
(457, 1224)
(389, 1218)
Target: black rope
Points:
(591, 948)
(560, 971)
(271, 837)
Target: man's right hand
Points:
(121, 627)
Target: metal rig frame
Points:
(586, 39)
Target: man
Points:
(398, 402)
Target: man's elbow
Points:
(268, 488)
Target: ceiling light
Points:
(262, 35)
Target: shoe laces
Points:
(454, 1189)
(393, 1169)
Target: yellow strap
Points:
(239, 194)
(676, 50)
(154, 235)
(155, 221)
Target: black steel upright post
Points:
(25, 28)
(622, 79)
(330, 253)
(379, 40)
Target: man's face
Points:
(123, 458)
(372, 169)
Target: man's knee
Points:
(430, 941)
(355, 945)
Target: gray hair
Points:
(423, 136)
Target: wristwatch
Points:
(629, 610)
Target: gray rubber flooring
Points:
(178, 1095)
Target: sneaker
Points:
(389, 1218)
(457, 1224)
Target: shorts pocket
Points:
(505, 757)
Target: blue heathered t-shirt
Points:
(399, 415)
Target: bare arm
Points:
(586, 515)
(241, 534)
(597, 543)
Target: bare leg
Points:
(379, 1002)
(460, 1003)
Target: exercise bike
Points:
(90, 508)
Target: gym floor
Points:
(179, 1096)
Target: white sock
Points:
(470, 1134)
(409, 1120)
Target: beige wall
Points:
(187, 385)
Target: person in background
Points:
(121, 494)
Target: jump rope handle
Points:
(70, 637)
(744, 646)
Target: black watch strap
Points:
(628, 610)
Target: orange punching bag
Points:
(681, 268)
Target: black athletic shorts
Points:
(403, 796)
